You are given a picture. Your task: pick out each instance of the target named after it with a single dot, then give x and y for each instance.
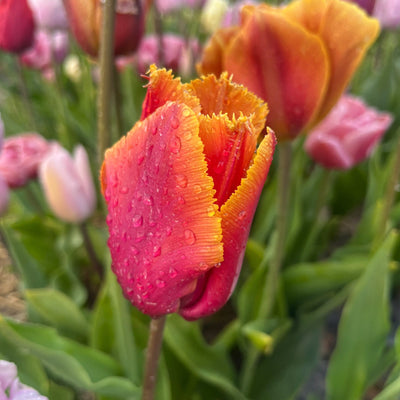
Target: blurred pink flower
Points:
(4, 200)
(20, 158)
(175, 52)
(388, 13)
(347, 135)
(67, 183)
(166, 6)
(49, 14)
(367, 5)
(232, 16)
(10, 386)
(1, 133)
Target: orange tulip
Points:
(298, 58)
(85, 20)
(182, 188)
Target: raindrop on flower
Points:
(181, 180)
(137, 221)
(190, 237)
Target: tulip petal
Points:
(346, 43)
(163, 87)
(158, 192)
(222, 96)
(237, 215)
(296, 71)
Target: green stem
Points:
(389, 195)
(271, 284)
(152, 356)
(118, 103)
(106, 78)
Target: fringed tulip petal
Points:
(269, 39)
(237, 215)
(163, 87)
(162, 234)
(221, 96)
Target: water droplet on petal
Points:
(185, 112)
(148, 201)
(190, 237)
(197, 189)
(242, 215)
(156, 251)
(140, 236)
(172, 272)
(175, 145)
(181, 180)
(168, 230)
(109, 219)
(219, 168)
(140, 159)
(146, 261)
(154, 131)
(137, 220)
(175, 123)
(160, 283)
(134, 250)
(181, 200)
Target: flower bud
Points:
(67, 184)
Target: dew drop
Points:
(140, 159)
(242, 215)
(219, 168)
(134, 250)
(139, 287)
(185, 112)
(172, 272)
(181, 200)
(175, 145)
(197, 189)
(168, 231)
(115, 202)
(126, 262)
(190, 237)
(109, 219)
(140, 236)
(146, 262)
(137, 220)
(160, 283)
(148, 201)
(181, 180)
(123, 190)
(154, 131)
(174, 123)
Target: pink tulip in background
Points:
(348, 134)
(10, 386)
(68, 184)
(49, 14)
(20, 158)
(166, 6)
(175, 52)
(388, 13)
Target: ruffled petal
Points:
(162, 235)
(237, 215)
(163, 87)
(284, 64)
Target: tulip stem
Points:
(152, 357)
(158, 27)
(389, 195)
(271, 284)
(106, 78)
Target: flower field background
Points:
(230, 170)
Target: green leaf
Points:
(206, 362)
(78, 366)
(59, 311)
(363, 330)
(281, 375)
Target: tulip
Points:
(20, 158)
(181, 189)
(299, 58)
(348, 134)
(388, 13)
(213, 14)
(10, 386)
(67, 184)
(16, 25)
(367, 5)
(166, 6)
(174, 49)
(85, 22)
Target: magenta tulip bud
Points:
(10, 386)
(20, 158)
(388, 13)
(68, 184)
(347, 135)
(39, 55)
(49, 14)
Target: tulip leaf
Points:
(281, 375)
(79, 366)
(206, 362)
(363, 329)
(59, 311)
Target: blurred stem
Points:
(158, 27)
(25, 95)
(319, 214)
(388, 199)
(271, 284)
(106, 78)
(94, 261)
(152, 356)
(118, 103)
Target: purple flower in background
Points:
(67, 183)
(49, 14)
(20, 158)
(232, 16)
(10, 386)
(347, 135)
(367, 5)
(166, 6)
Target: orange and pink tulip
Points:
(182, 188)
